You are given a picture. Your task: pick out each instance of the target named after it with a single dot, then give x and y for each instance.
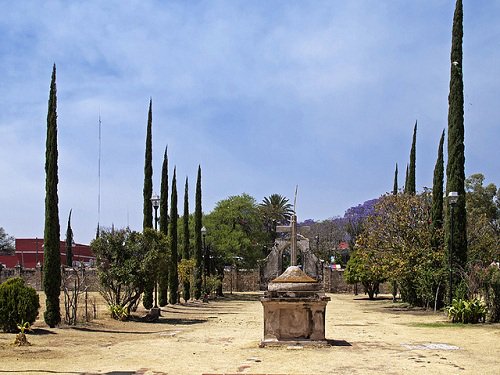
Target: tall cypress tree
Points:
(173, 277)
(51, 244)
(164, 194)
(395, 187)
(395, 192)
(406, 180)
(148, 172)
(186, 253)
(437, 196)
(455, 170)
(147, 193)
(197, 237)
(163, 279)
(69, 243)
(410, 187)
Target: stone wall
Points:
(333, 281)
(34, 277)
(249, 281)
(235, 280)
(240, 280)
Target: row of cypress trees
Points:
(455, 171)
(168, 278)
(52, 260)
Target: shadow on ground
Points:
(41, 331)
(338, 343)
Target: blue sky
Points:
(264, 95)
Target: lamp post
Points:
(452, 201)
(155, 201)
(203, 234)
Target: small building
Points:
(29, 253)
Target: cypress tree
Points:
(51, 245)
(395, 192)
(186, 254)
(164, 194)
(455, 170)
(437, 195)
(406, 180)
(148, 172)
(69, 243)
(197, 237)
(173, 277)
(163, 279)
(147, 193)
(395, 187)
(410, 187)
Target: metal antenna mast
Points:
(99, 178)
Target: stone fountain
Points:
(294, 304)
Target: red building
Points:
(29, 252)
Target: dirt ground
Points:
(223, 336)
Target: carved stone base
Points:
(292, 321)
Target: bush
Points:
(212, 283)
(118, 312)
(19, 303)
(492, 293)
(467, 311)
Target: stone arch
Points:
(272, 266)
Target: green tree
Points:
(186, 253)
(197, 237)
(455, 170)
(395, 186)
(69, 243)
(164, 195)
(410, 187)
(437, 197)
(52, 259)
(275, 210)
(148, 172)
(365, 267)
(234, 230)
(147, 193)
(395, 244)
(163, 275)
(128, 261)
(18, 303)
(406, 179)
(173, 276)
(483, 221)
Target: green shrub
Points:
(118, 312)
(19, 303)
(492, 293)
(467, 311)
(212, 283)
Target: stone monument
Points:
(294, 304)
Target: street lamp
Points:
(203, 234)
(155, 201)
(452, 201)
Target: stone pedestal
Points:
(294, 321)
(294, 310)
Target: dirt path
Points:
(222, 337)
